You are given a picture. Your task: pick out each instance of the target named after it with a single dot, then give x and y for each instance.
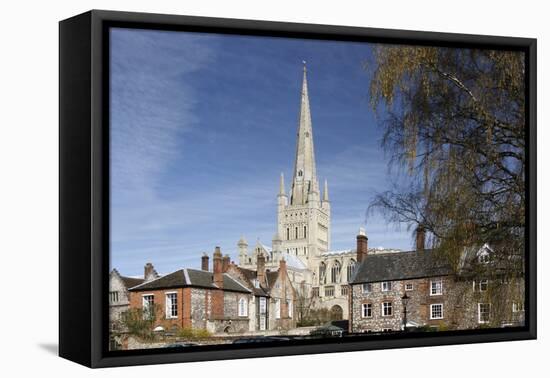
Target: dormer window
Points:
(483, 258)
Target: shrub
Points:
(192, 333)
(139, 322)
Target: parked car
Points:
(259, 339)
(327, 330)
(178, 345)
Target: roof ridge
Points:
(186, 275)
(237, 282)
(153, 280)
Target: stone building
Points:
(273, 304)
(192, 298)
(440, 296)
(303, 231)
(119, 297)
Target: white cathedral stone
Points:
(304, 228)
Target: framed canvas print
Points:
(233, 188)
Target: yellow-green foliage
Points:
(188, 333)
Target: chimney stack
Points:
(362, 245)
(218, 295)
(420, 238)
(260, 268)
(226, 260)
(218, 268)
(149, 272)
(282, 268)
(282, 276)
(204, 262)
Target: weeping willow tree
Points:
(454, 122)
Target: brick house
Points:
(440, 297)
(192, 298)
(119, 296)
(274, 297)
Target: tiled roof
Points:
(190, 278)
(251, 275)
(400, 266)
(271, 278)
(131, 281)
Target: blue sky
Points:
(202, 125)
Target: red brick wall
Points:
(184, 306)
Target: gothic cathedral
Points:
(303, 228)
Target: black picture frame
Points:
(84, 186)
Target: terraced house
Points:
(273, 305)
(192, 298)
(420, 290)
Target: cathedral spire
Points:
(282, 185)
(305, 177)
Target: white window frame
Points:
(277, 308)
(385, 286)
(409, 286)
(438, 290)
(483, 257)
(479, 320)
(390, 307)
(363, 308)
(145, 304)
(168, 304)
(243, 306)
(263, 306)
(517, 307)
(366, 285)
(483, 282)
(432, 311)
(289, 307)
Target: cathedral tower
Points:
(304, 217)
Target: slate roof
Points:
(271, 277)
(131, 281)
(250, 275)
(127, 281)
(190, 278)
(400, 266)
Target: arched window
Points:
(297, 237)
(351, 268)
(305, 232)
(243, 307)
(300, 173)
(287, 233)
(322, 273)
(289, 307)
(335, 272)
